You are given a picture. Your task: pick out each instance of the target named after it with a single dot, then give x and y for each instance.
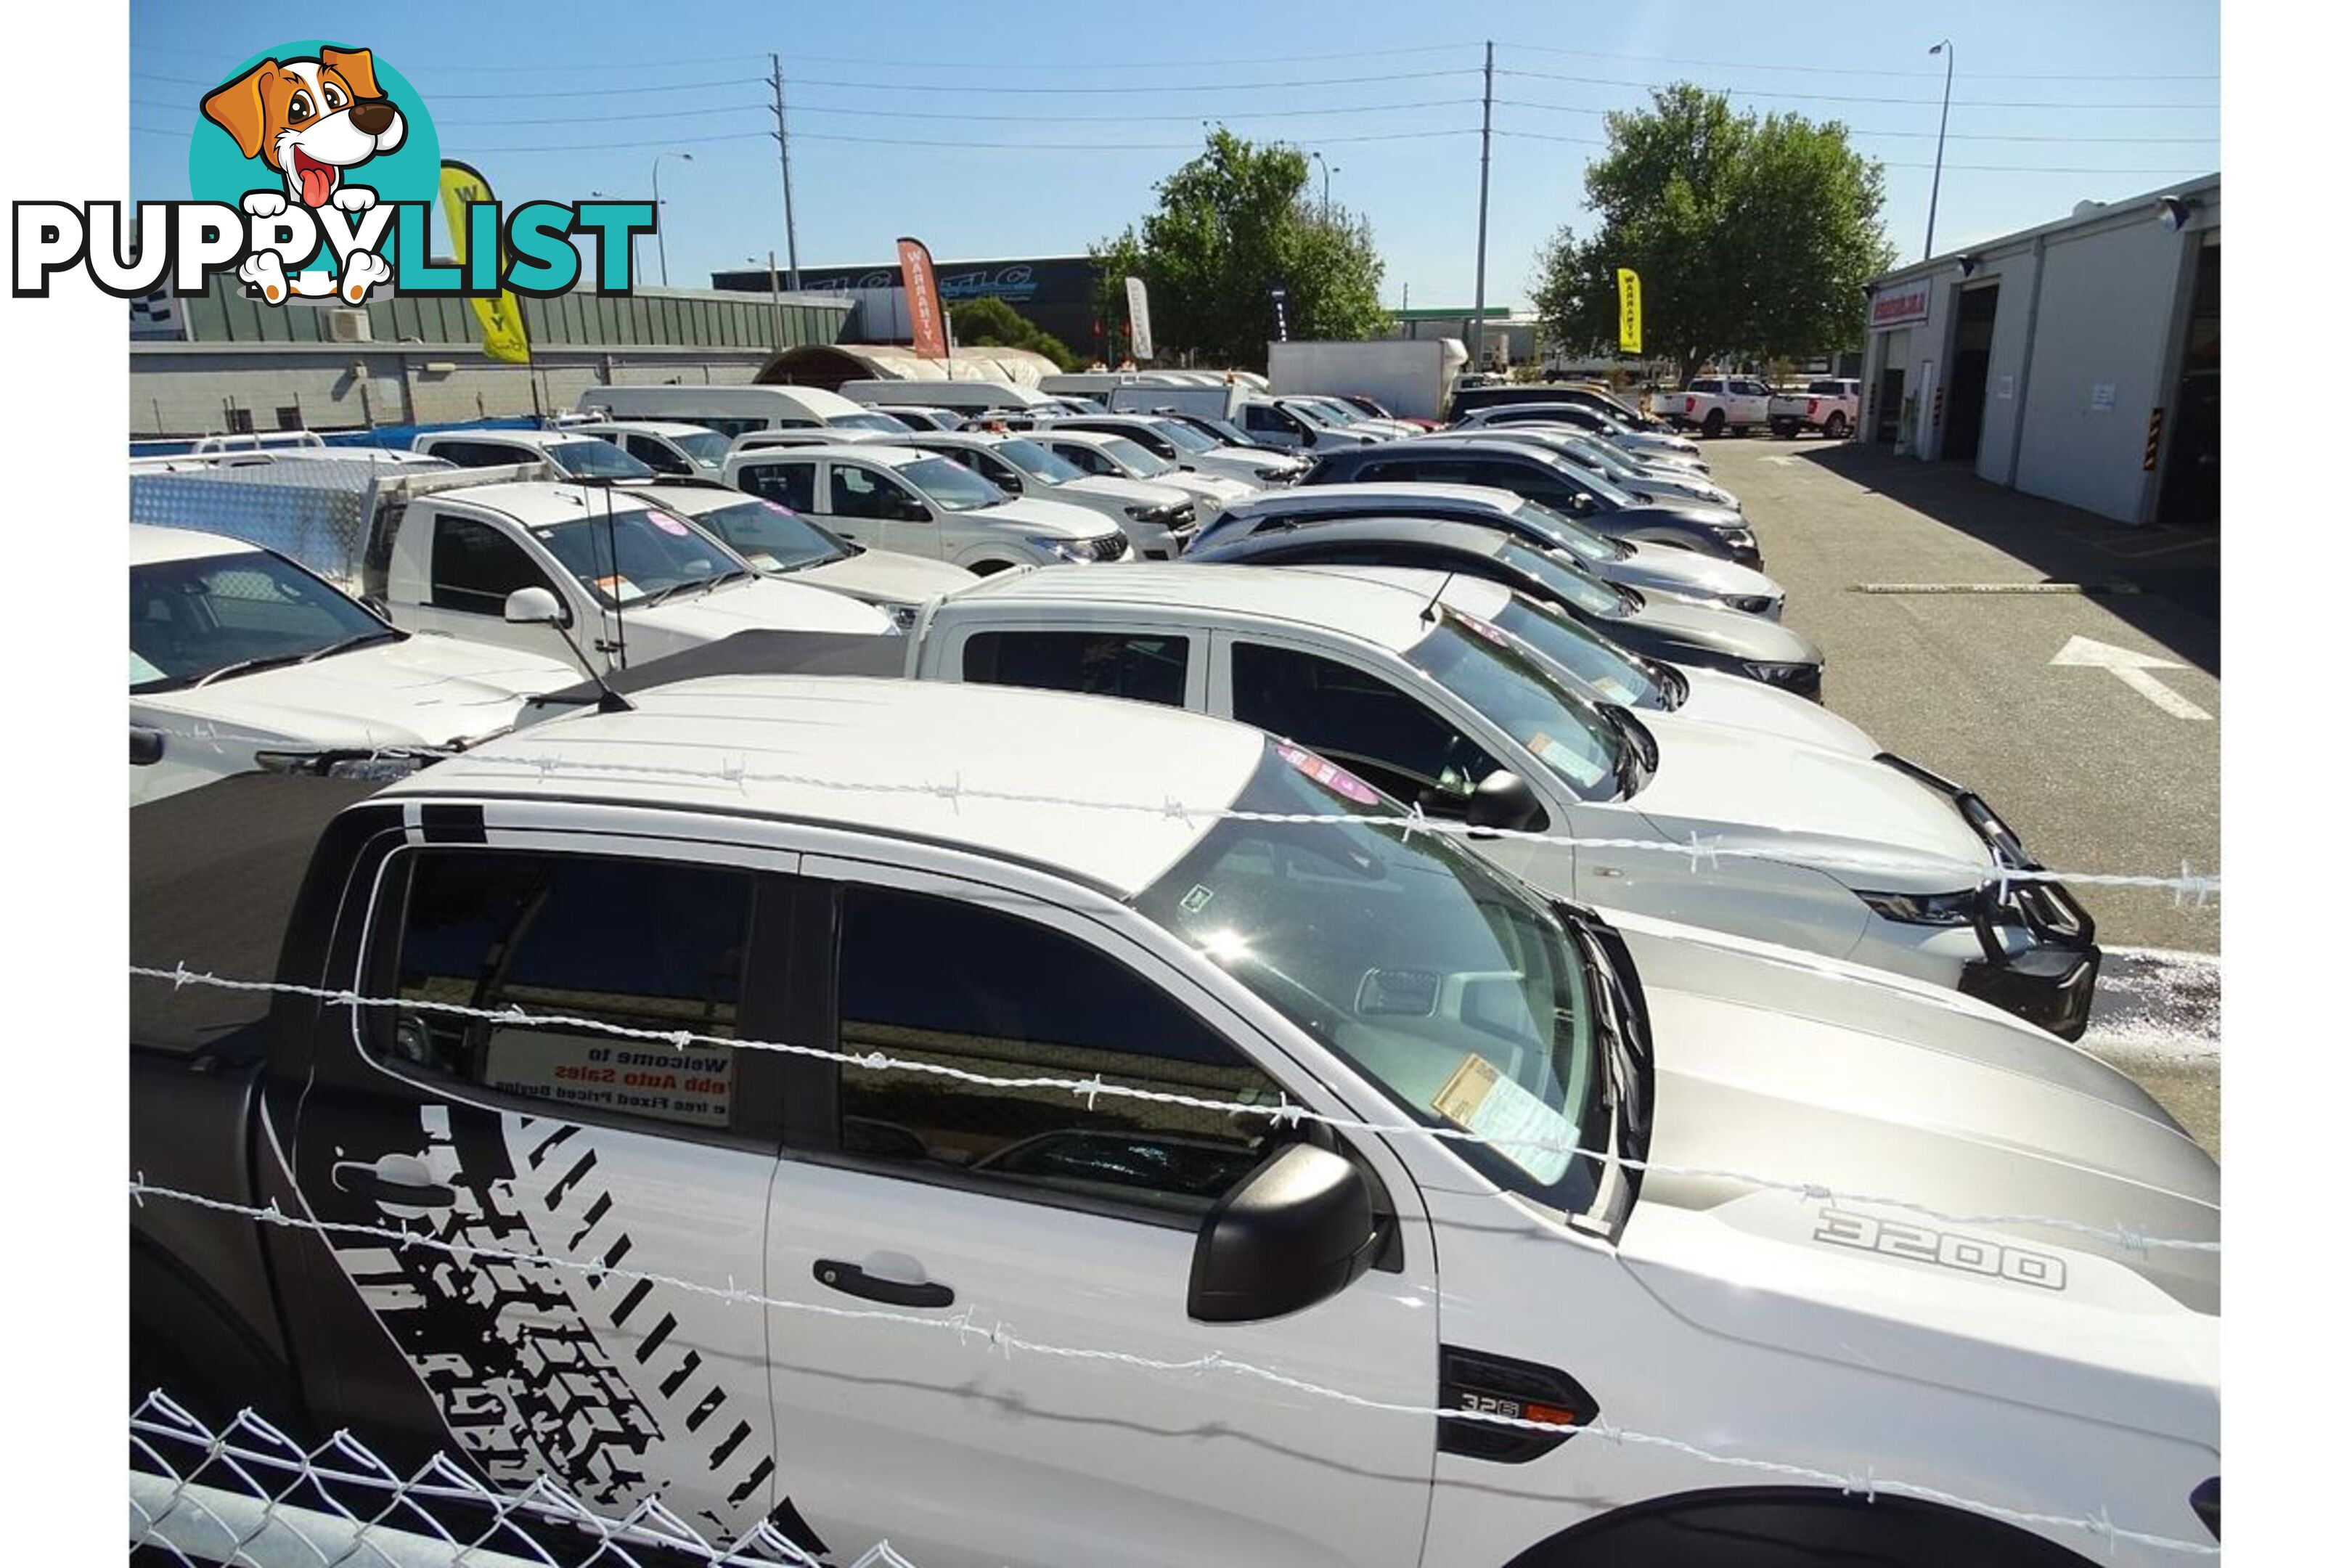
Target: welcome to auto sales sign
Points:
(1899, 306)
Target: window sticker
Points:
(1584, 769)
(619, 587)
(1193, 902)
(762, 560)
(669, 524)
(693, 1086)
(1523, 1130)
(1331, 775)
(1492, 634)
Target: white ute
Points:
(242, 661)
(889, 496)
(448, 552)
(1868, 858)
(1123, 1311)
(1116, 457)
(1157, 519)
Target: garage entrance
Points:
(1971, 359)
(2191, 494)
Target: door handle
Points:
(402, 1179)
(852, 1280)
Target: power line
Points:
(1847, 98)
(1863, 71)
(897, 87)
(895, 62)
(1975, 168)
(1854, 131)
(476, 149)
(801, 110)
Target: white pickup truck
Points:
(445, 552)
(1712, 404)
(242, 661)
(1223, 1171)
(1831, 406)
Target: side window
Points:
(1085, 456)
(656, 455)
(731, 428)
(1005, 997)
(993, 470)
(861, 492)
(641, 944)
(1146, 667)
(1392, 738)
(475, 567)
(792, 485)
(480, 454)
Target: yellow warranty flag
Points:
(1628, 310)
(503, 337)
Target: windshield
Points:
(949, 485)
(595, 459)
(1313, 414)
(1614, 674)
(1230, 434)
(1450, 988)
(1559, 577)
(193, 620)
(881, 422)
(1183, 437)
(656, 551)
(1138, 463)
(1481, 666)
(773, 538)
(1562, 532)
(1584, 477)
(1339, 413)
(708, 448)
(1041, 463)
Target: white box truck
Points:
(1412, 378)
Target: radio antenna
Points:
(1429, 611)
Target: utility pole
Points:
(1936, 189)
(785, 156)
(1485, 152)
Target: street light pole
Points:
(1328, 173)
(661, 239)
(1936, 189)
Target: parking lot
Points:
(2066, 667)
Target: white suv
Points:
(1158, 518)
(1116, 457)
(888, 497)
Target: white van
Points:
(1222, 401)
(731, 410)
(971, 396)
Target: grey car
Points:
(1647, 568)
(1648, 481)
(1675, 630)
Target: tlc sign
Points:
(1899, 306)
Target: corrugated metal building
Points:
(221, 362)
(2079, 361)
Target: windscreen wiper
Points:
(246, 665)
(383, 634)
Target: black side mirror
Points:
(146, 746)
(1295, 1231)
(1502, 799)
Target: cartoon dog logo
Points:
(311, 120)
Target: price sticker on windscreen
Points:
(1329, 774)
(669, 524)
(1521, 1128)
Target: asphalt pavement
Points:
(2065, 668)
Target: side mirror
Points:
(146, 746)
(535, 607)
(1295, 1231)
(1502, 799)
(1580, 502)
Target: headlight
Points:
(1752, 604)
(1072, 550)
(902, 617)
(1160, 514)
(365, 768)
(1802, 679)
(1956, 909)
(1739, 538)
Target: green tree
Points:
(989, 323)
(1232, 224)
(1753, 235)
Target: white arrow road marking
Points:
(2132, 668)
(1780, 462)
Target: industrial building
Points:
(1056, 292)
(2080, 360)
(221, 362)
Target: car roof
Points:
(1473, 538)
(1450, 444)
(1401, 493)
(152, 543)
(641, 427)
(889, 451)
(534, 503)
(690, 498)
(1373, 612)
(540, 438)
(843, 750)
(1084, 437)
(1481, 597)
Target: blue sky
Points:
(2051, 103)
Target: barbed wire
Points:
(997, 1338)
(247, 1493)
(1283, 1113)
